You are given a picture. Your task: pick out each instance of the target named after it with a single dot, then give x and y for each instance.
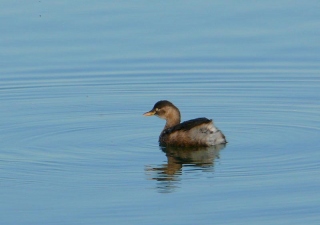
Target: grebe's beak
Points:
(150, 113)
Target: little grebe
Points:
(196, 132)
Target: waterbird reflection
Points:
(169, 175)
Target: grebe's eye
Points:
(157, 109)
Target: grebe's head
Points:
(165, 110)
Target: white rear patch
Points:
(208, 134)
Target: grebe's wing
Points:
(189, 124)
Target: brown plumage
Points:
(196, 132)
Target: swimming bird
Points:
(195, 132)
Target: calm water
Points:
(77, 76)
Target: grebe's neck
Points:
(172, 118)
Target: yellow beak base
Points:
(151, 113)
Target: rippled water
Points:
(77, 77)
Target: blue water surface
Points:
(76, 77)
